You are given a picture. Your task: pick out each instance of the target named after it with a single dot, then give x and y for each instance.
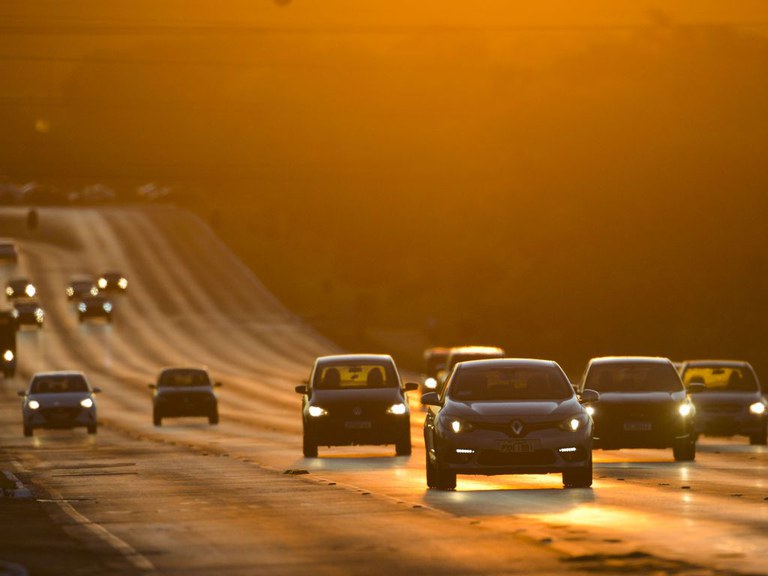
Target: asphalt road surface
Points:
(239, 498)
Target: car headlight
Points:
(460, 426)
(86, 403)
(9, 291)
(15, 313)
(398, 409)
(94, 291)
(107, 307)
(316, 411)
(757, 408)
(685, 409)
(8, 355)
(102, 283)
(39, 313)
(83, 307)
(33, 404)
(30, 290)
(430, 383)
(70, 291)
(590, 410)
(574, 423)
(122, 283)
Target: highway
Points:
(239, 498)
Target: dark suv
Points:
(355, 399)
(184, 392)
(643, 404)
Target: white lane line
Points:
(138, 560)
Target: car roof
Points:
(183, 369)
(346, 358)
(476, 350)
(740, 363)
(634, 359)
(50, 373)
(506, 363)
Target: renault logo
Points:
(517, 427)
(357, 411)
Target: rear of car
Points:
(28, 312)
(181, 391)
(729, 399)
(94, 307)
(58, 400)
(355, 399)
(643, 404)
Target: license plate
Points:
(637, 426)
(357, 425)
(516, 446)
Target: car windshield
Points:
(351, 376)
(509, 384)
(633, 377)
(58, 384)
(184, 378)
(721, 378)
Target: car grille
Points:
(60, 414)
(535, 458)
(506, 427)
(356, 410)
(721, 408)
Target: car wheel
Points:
(578, 477)
(157, 420)
(27, 431)
(431, 473)
(444, 479)
(403, 448)
(92, 429)
(309, 447)
(684, 450)
(759, 438)
(214, 417)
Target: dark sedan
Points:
(507, 416)
(643, 404)
(19, 287)
(28, 312)
(94, 307)
(355, 399)
(181, 391)
(112, 282)
(730, 400)
(56, 400)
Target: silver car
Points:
(56, 400)
(508, 416)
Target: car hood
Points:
(326, 397)
(709, 397)
(169, 391)
(502, 411)
(641, 397)
(64, 399)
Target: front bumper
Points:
(62, 417)
(185, 405)
(738, 422)
(328, 431)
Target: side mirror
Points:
(301, 389)
(588, 396)
(217, 384)
(96, 390)
(410, 386)
(696, 388)
(153, 386)
(21, 393)
(430, 399)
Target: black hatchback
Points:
(355, 399)
(184, 392)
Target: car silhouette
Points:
(184, 391)
(507, 416)
(59, 400)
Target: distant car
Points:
(61, 399)
(80, 286)
(8, 252)
(643, 404)
(20, 287)
(181, 391)
(435, 359)
(355, 399)
(731, 401)
(463, 354)
(28, 312)
(94, 307)
(112, 282)
(507, 416)
(7, 343)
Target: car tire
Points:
(578, 477)
(157, 420)
(92, 429)
(444, 479)
(431, 473)
(213, 418)
(759, 438)
(28, 431)
(309, 447)
(404, 448)
(684, 450)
